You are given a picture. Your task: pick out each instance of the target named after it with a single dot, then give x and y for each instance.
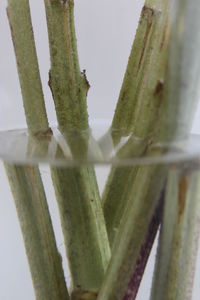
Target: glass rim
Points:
(95, 146)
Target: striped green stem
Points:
(44, 259)
(119, 185)
(133, 231)
(25, 181)
(183, 74)
(27, 65)
(145, 99)
(69, 87)
(183, 81)
(83, 227)
(144, 75)
(76, 189)
(145, 251)
(179, 236)
(179, 102)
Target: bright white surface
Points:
(105, 31)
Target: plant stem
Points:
(174, 123)
(179, 236)
(76, 189)
(83, 227)
(183, 74)
(183, 79)
(132, 233)
(25, 181)
(145, 93)
(145, 101)
(145, 69)
(27, 65)
(44, 259)
(119, 185)
(139, 268)
(68, 85)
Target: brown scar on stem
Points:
(159, 87)
(147, 13)
(43, 134)
(164, 34)
(182, 195)
(84, 295)
(158, 93)
(86, 82)
(50, 85)
(58, 1)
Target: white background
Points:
(105, 31)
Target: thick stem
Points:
(183, 73)
(119, 186)
(27, 64)
(182, 85)
(174, 122)
(133, 230)
(25, 182)
(145, 92)
(124, 201)
(83, 226)
(67, 84)
(44, 259)
(145, 70)
(77, 192)
(145, 251)
(179, 236)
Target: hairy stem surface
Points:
(145, 100)
(69, 87)
(173, 123)
(77, 192)
(27, 65)
(145, 251)
(132, 233)
(183, 80)
(44, 259)
(25, 181)
(179, 236)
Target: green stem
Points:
(76, 189)
(145, 70)
(44, 259)
(145, 251)
(183, 79)
(83, 227)
(179, 102)
(67, 84)
(183, 74)
(179, 236)
(27, 64)
(143, 90)
(119, 186)
(25, 181)
(133, 231)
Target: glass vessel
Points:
(168, 178)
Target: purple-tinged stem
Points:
(145, 251)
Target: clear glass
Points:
(100, 148)
(79, 150)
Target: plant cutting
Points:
(108, 240)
